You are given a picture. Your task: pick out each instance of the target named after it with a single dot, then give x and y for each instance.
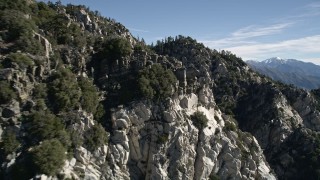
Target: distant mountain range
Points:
(290, 71)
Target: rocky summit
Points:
(81, 98)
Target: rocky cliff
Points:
(84, 99)
(161, 142)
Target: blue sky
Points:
(252, 29)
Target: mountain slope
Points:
(289, 71)
(83, 99)
(271, 111)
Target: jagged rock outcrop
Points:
(83, 16)
(306, 105)
(45, 43)
(169, 146)
(145, 145)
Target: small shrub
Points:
(163, 138)
(89, 99)
(40, 105)
(199, 120)
(43, 125)
(100, 113)
(96, 137)
(19, 30)
(40, 91)
(22, 60)
(213, 176)
(9, 142)
(156, 82)
(64, 91)
(48, 157)
(16, 24)
(27, 43)
(116, 48)
(229, 126)
(20, 5)
(76, 138)
(6, 92)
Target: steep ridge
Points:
(83, 99)
(271, 111)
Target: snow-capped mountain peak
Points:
(291, 71)
(275, 60)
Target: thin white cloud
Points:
(313, 5)
(307, 11)
(305, 45)
(256, 31)
(226, 42)
(244, 35)
(138, 30)
(245, 41)
(308, 14)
